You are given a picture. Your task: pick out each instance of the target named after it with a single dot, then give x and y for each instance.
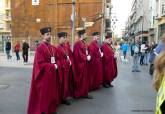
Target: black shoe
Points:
(110, 85)
(66, 102)
(106, 86)
(88, 97)
(138, 71)
(54, 113)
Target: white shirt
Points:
(143, 48)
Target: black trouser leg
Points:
(23, 55)
(141, 60)
(26, 57)
(163, 108)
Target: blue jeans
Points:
(17, 55)
(124, 54)
(135, 66)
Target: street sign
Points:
(89, 24)
(35, 2)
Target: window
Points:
(1, 26)
(161, 30)
(163, 8)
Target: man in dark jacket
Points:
(7, 49)
(25, 49)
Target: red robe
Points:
(81, 80)
(44, 92)
(64, 71)
(71, 70)
(109, 65)
(95, 66)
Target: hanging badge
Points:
(87, 52)
(68, 57)
(53, 60)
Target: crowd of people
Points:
(60, 73)
(141, 52)
(17, 49)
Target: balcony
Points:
(5, 30)
(7, 7)
(163, 10)
(158, 18)
(7, 19)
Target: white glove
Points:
(56, 67)
(102, 54)
(68, 58)
(86, 52)
(88, 57)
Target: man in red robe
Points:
(81, 57)
(71, 70)
(64, 68)
(109, 65)
(44, 96)
(95, 65)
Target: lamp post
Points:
(73, 21)
(103, 21)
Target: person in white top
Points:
(142, 50)
(135, 67)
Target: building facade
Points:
(27, 19)
(152, 14)
(160, 18)
(140, 19)
(5, 22)
(147, 17)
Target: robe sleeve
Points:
(105, 57)
(60, 65)
(90, 49)
(82, 56)
(40, 64)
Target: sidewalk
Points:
(14, 63)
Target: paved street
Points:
(132, 94)
(14, 63)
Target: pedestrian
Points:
(125, 49)
(25, 49)
(132, 48)
(146, 54)
(159, 82)
(95, 65)
(142, 51)
(45, 84)
(136, 56)
(117, 51)
(109, 63)
(8, 49)
(64, 68)
(81, 59)
(17, 49)
(37, 43)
